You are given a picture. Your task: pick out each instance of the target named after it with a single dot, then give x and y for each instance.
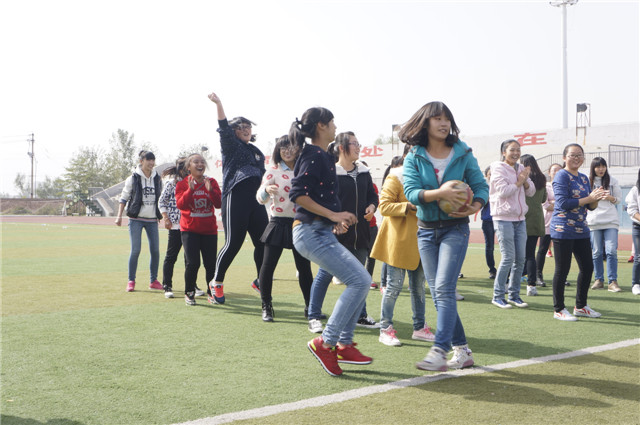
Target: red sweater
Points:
(197, 206)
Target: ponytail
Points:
(306, 126)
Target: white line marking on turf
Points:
(262, 412)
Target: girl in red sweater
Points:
(197, 196)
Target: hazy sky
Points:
(73, 72)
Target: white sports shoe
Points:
(458, 296)
(315, 326)
(532, 291)
(462, 357)
(585, 311)
(564, 315)
(436, 360)
(388, 337)
(635, 289)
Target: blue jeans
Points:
(512, 236)
(135, 235)
(604, 242)
(442, 252)
(321, 283)
(317, 243)
(395, 279)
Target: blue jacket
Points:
(419, 175)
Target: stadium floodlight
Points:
(565, 90)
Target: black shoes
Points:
(267, 312)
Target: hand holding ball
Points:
(461, 199)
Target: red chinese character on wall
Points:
(368, 152)
(531, 139)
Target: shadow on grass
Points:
(10, 420)
(510, 387)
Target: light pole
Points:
(565, 90)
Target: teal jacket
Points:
(419, 175)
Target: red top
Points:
(197, 207)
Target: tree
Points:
(86, 169)
(121, 158)
(20, 183)
(50, 188)
(186, 150)
(385, 140)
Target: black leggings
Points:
(241, 213)
(173, 249)
(545, 243)
(194, 245)
(530, 260)
(269, 263)
(562, 250)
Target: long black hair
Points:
(236, 122)
(606, 179)
(536, 175)
(342, 140)
(306, 126)
(416, 130)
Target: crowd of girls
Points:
(321, 200)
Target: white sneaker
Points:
(635, 289)
(458, 296)
(585, 311)
(200, 292)
(436, 360)
(388, 337)
(315, 326)
(462, 357)
(336, 281)
(168, 293)
(564, 315)
(532, 291)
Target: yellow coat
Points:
(397, 240)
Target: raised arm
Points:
(215, 99)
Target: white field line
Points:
(261, 412)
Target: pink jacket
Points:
(507, 199)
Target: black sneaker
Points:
(190, 298)
(492, 275)
(367, 322)
(267, 312)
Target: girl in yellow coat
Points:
(397, 246)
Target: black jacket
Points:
(135, 201)
(355, 196)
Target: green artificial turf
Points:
(76, 348)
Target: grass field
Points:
(78, 349)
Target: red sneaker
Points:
(326, 356)
(156, 285)
(131, 285)
(350, 354)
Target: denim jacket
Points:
(419, 175)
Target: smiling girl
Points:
(197, 196)
(510, 183)
(570, 233)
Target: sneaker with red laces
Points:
(388, 337)
(156, 285)
(424, 334)
(218, 292)
(131, 285)
(630, 260)
(549, 253)
(350, 354)
(328, 357)
(373, 285)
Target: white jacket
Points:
(606, 215)
(632, 203)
